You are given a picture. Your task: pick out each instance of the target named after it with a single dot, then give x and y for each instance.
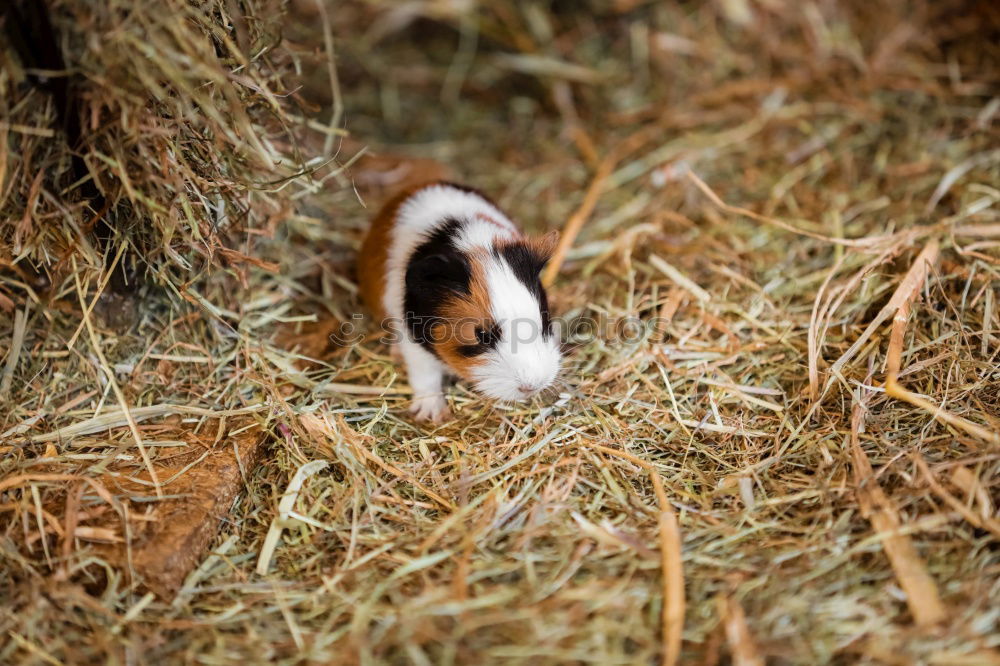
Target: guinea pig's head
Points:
(491, 318)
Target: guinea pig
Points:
(459, 285)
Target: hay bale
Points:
(161, 126)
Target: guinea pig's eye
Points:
(485, 336)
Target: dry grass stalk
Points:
(922, 596)
(14, 352)
(964, 479)
(908, 287)
(901, 299)
(741, 644)
(673, 576)
(591, 196)
(984, 522)
(578, 218)
(670, 558)
(119, 395)
(866, 243)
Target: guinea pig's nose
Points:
(527, 389)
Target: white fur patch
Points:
(524, 361)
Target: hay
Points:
(796, 201)
(158, 128)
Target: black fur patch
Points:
(527, 265)
(543, 308)
(435, 268)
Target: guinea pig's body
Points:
(451, 273)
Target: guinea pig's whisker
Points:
(550, 392)
(558, 388)
(569, 360)
(568, 370)
(566, 350)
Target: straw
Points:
(776, 444)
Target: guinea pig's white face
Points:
(492, 327)
(523, 356)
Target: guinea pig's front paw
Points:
(431, 408)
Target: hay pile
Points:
(159, 131)
(792, 205)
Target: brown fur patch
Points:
(375, 250)
(463, 314)
(483, 217)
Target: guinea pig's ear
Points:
(540, 249)
(444, 270)
(528, 256)
(544, 246)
